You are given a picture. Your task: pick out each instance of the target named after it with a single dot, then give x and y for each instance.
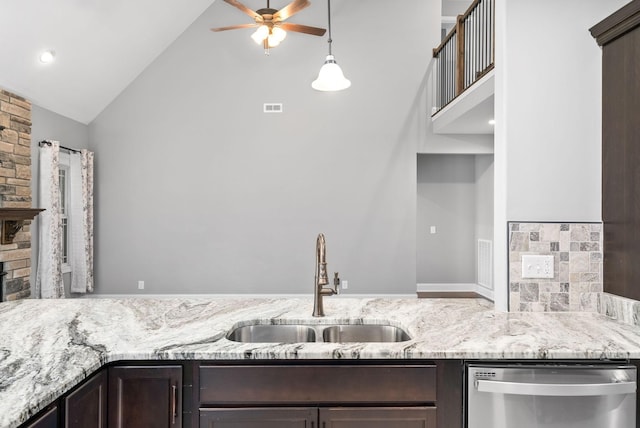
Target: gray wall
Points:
(198, 191)
(454, 195)
(48, 125)
(548, 117)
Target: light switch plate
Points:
(535, 266)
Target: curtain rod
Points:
(43, 142)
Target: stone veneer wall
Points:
(577, 281)
(15, 190)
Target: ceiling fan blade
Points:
(291, 9)
(234, 27)
(243, 8)
(315, 31)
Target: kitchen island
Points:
(49, 346)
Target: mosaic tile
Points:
(589, 302)
(559, 302)
(565, 240)
(529, 292)
(519, 241)
(579, 262)
(550, 232)
(539, 247)
(589, 277)
(577, 283)
(589, 246)
(580, 232)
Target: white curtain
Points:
(81, 221)
(49, 283)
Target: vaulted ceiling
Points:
(100, 47)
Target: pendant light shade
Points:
(330, 77)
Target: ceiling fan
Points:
(271, 28)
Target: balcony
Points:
(463, 73)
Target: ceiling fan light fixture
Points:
(278, 33)
(330, 78)
(272, 41)
(260, 34)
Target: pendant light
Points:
(330, 77)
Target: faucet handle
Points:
(336, 282)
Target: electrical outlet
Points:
(534, 266)
(140, 285)
(344, 284)
(432, 229)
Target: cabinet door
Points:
(86, 407)
(378, 417)
(294, 417)
(48, 419)
(145, 396)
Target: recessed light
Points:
(47, 57)
(492, 122)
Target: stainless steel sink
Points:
(364, 333)
(301, 333)
(273, 334)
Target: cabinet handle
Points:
(174, 393)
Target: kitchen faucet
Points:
(321, 278)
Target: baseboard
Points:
(438, 290)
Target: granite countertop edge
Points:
(51, 346)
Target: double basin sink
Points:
(332, 333)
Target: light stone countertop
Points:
(48, 346)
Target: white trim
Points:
(445, 120)
(456, 288)
(244, 296)
(64, 164)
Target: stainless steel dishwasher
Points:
(551, 396)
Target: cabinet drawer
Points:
(303, 384)
(275, 417)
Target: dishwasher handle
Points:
(555, 389)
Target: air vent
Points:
(485, 375)
(272, 107)
(485, 263)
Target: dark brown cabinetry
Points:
(378, 417)
(331, 417)
(48, 419)
(286, 417)
(281, 394)
(86, 406)
(141, 397)
(330, 396)
(619, 36)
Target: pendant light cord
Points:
(329, 22)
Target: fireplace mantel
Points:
(13, 219)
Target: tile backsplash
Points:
(577, 252)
